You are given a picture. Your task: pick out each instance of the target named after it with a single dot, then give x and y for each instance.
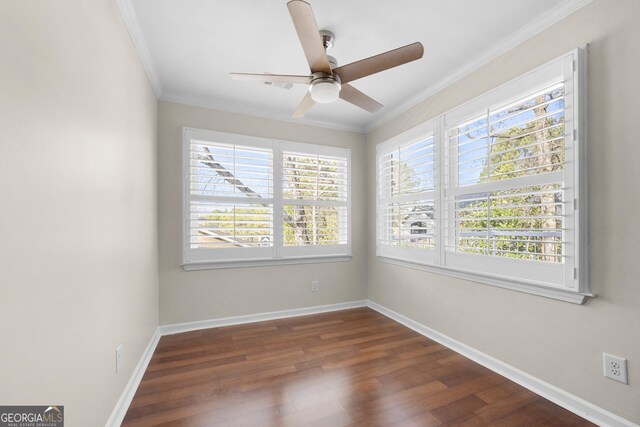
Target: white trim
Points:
(177, 328)
(505, 184)
(526, 32)
(505, 283)
(424, 131)
(409, 136)
(556, 395)
(581, 148)
(242, 263)
(550, 392)
(122, 406)
(520, 80)
(259, 113)
(201, 259)
(541, 78)
(558, 281)
(128, 13)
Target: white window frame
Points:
(203, 259)
(419, 255)
(568, 281)
(316, 250)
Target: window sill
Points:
(216, 265)
(548, 292)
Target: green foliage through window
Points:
(521, 140)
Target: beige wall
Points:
(78, 245)
(199, 295)
(560, 343)
(78, 231)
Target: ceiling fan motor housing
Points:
(328, 39)
(324, 87)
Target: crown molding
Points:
(130, 19)
(214, 105)
(523, 34)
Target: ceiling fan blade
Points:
(304, 106)
(275, 78)
(307, 29)
(375, 64)
(359, 99)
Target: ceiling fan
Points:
(328, 81)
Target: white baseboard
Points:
(259, 317)
(122, 406)
(117, 416)
(560, 397)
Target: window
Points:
(230, 198)
(406, 196)
(505, 196)
(314, 201)
(249, 199)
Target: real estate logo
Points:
(32, 416)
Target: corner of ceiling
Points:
(210, 104)
(523, 34)
(128, 13)
(526, 32)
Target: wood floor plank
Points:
(348, 368)
(458, 408)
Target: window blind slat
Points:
(230, 225)
(314, 177)
(406, 183)
(230, 170)
(315, 190)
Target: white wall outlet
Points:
(314, 286)
(118, 358)
(615, 368)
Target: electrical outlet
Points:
(118, 358)
(615, 368)
(314, 286)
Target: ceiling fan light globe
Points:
(325, 92)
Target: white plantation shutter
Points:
(227, 225)
(253, 199)
(521, 139)
(315, 186)
(491, 159)
(520, 223)
(230, 199)
(505, 200)
(230, 170)
(406, 197)
(509, 189)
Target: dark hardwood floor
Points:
(347, 368)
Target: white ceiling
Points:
(193, 45)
